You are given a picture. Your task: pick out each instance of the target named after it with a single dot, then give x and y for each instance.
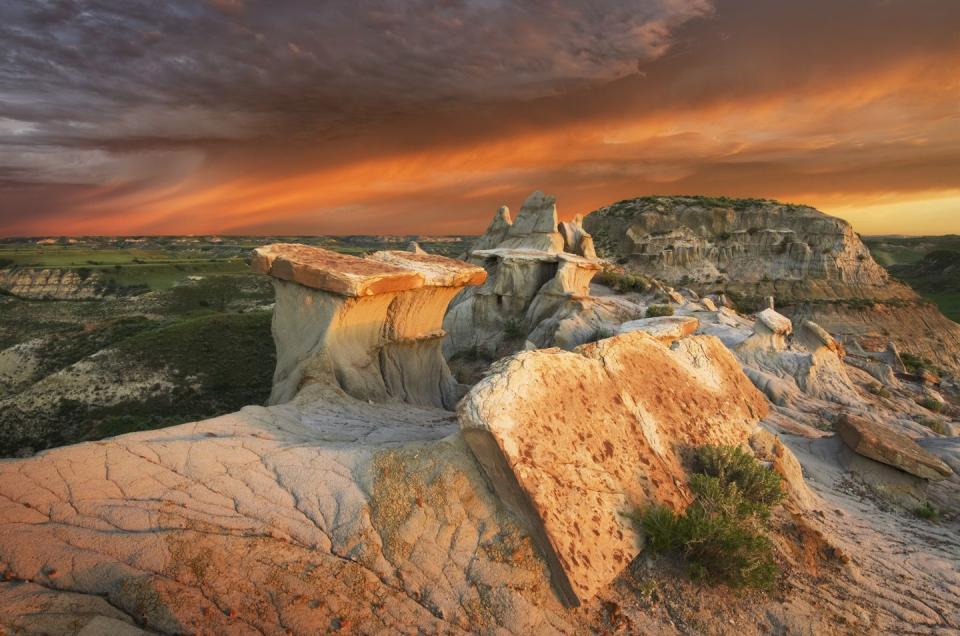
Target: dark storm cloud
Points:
(181, 72)
(424, 115)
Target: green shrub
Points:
(654, 311)
(915, 364)
(622, 281)
(934, 425)
(513, 329)
(926, 510)
(720, 534)
(760, 486)
(930, 404)
(879, 390)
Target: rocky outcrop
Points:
(740, 240)
(53, 284)
(809, 360)
(575, 441)
(815, 266)
(537, 289)
(663, 328)
(890, 447)
(370, 326)
(575, 239)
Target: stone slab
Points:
(883, 444)
(574, 441)
(664, 328)
(438, 271)
(329, 271)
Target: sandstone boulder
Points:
(574, 441)
(883, 444)
(776, 323)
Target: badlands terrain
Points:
(517, 435)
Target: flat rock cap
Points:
(438, 271)
(347, 275)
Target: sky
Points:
(424, 116)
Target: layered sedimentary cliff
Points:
(815, 266)
(52, 284)
(739, 242)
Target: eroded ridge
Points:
(574, 441)
(372, 326)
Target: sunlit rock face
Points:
(371, 326)
(354, 502)
(574, 441)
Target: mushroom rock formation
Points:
(574, 441)
(359, 505)
(371, 326)
(534, 286)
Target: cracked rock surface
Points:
(324, 512)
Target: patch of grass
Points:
(513, 329)
(79, 341)
(927, 511)
(947, 302)
(622, 282)
(879, 390)
(720, 535)
(915, 364)
(229, 353)
(931, 404)
(655, 311)
(935, 425)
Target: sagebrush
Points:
(721, 535)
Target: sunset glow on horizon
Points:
(235, 118)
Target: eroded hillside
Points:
(562, 496)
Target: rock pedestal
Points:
(372, 326)
(538, 287)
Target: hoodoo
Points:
(538, 286)
(372, 326)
